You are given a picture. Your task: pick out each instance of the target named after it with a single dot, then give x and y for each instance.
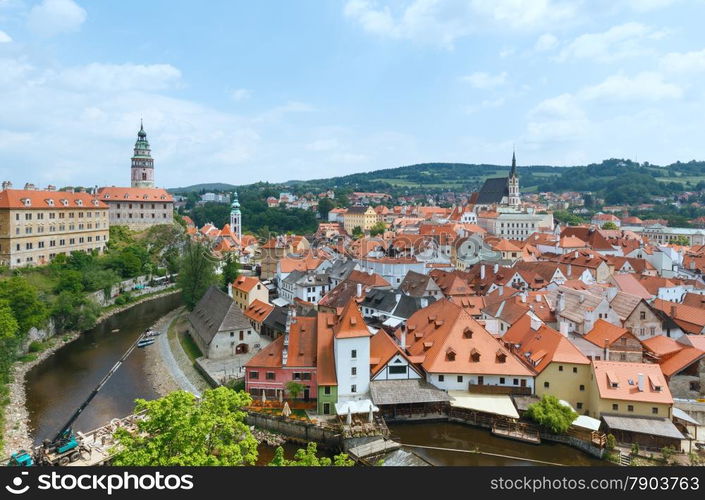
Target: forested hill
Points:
(615, 180)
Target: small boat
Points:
(145, 342)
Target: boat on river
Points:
(145, 342)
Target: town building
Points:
(37, 225)
(221, 330)
(359, 216)
(246, 289)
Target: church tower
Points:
(142, 169)
(513, 184)
(236, 218)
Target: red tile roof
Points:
(30, 199)
(135, 194)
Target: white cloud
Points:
(683, 62)
(4, 37)
(618, 42)
(545, 42)
(323, 145)
(559, 118)
(645, 86)
(53, 17)
(119, 77)
(442, 22)
(238, 95)
(482, 80)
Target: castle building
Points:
(142, 205)
(37, 225)
(142, 169)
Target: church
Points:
(502, 191)
(141, 205)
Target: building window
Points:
(397, 370)
(575, 369)
(460, 379)
(326, 390)
(271, 376)
(615, 407)
(582, 387)
(353, 388)
(353, 371)
(579, 406)
(254, 375)
(630, 407)
(353, 353)
(546, 384)
(654, 410)
(560, 368)
(516, 381)
(441, 378)
(501, 380)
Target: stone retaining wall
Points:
(303, 431)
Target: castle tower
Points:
(236, 218)
(513, 184)
(142, 170)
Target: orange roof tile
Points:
(258, 310)
(246, 283)
(351, 324)
(30, 199)
(622, 372)
(134, 194)
(602, 332)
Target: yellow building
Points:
(362, 217)
(561, 369)
(37, 225)
(246, 289)
(629, 389)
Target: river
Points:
(57, 386)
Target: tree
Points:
(294, 389)
(24, 301)
(325, 206)
(609, 225)
(196, 273)
(307, 458)
(681, 240)
(551, 414)
(231, 270)
(180, 429)
(357, 232)
(379, 228)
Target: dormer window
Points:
(79, 203)
(26, 202)
(65, 202)
(450, 354)
(145, 197)
(501, 357)
(467, 333)
(475, 356)
(106, 196)
(126, 195)
(50, 202)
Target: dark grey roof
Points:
(357, 209)
(522, 402)
(394, 392)
(415, 284)
(294, 276)
(276, 319)
(394, 303)
(341, 269)
(493, 190)
(216, 312)
(643, 425)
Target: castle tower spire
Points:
(236, 218)
(513, 183)
(142, 169)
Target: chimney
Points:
(640, 382)
(501, 291)
(6, 185)
(673, 311)
(51, 187)
(570, 270)
(29, 186)
(535, 323)
(523, 297)
(496, 268)
(424, 302)
(576, 254)
(482, 272)
(402, 340)
(563, 326)
(230, 290)
(397, 297)
(560, 302)
(359, 290)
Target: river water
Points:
(57, 386)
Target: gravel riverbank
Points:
(17, 432)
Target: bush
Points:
(35, 346)
(610, 442)
(551, 414)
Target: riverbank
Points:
(16, 432)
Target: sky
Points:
(240, 91)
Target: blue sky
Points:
(241, 91)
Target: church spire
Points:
(513, 172)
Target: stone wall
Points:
(303, 431)
(585, 446)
